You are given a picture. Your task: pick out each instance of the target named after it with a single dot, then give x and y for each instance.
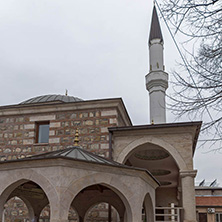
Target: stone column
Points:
(136, 204)
(137, 215)
(188, 195)
(59, 213)
(125, 217)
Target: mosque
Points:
(64, 152)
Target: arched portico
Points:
(30, 193)
(125, 193)
(14, 183)
(112, 182)
(126, 151)
(149, 153)
(62, 180)
(166, 150)
(95, 194)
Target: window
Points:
(218, 217)
(42, 132)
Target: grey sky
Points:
(95, 49)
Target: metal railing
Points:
(168, 214)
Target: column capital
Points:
(188, 173)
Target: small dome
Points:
(52, 99)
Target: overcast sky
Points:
(95, 49)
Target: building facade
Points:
(21, 123)
(209, 202)
(144, 172)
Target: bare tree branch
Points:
(201, 90)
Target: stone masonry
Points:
(17, 134)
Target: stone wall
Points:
(17, 133)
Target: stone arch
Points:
(83, 202)
(19, 177)
(125, 153)
(105, 201)
(107, 180)
(149, 208)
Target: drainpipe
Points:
(110, 146)
(110, 157)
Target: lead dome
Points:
(52, 98)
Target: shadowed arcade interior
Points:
(162, 165)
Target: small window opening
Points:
(42, 132)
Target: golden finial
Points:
(152, 123)
(76, 140)
(66, 92)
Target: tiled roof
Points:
(209, 201)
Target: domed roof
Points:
(51, 99)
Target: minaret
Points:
(156, 79)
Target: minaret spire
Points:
(155, 30)
(156, 79)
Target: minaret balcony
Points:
(157, 79)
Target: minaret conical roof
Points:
(155, 30)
